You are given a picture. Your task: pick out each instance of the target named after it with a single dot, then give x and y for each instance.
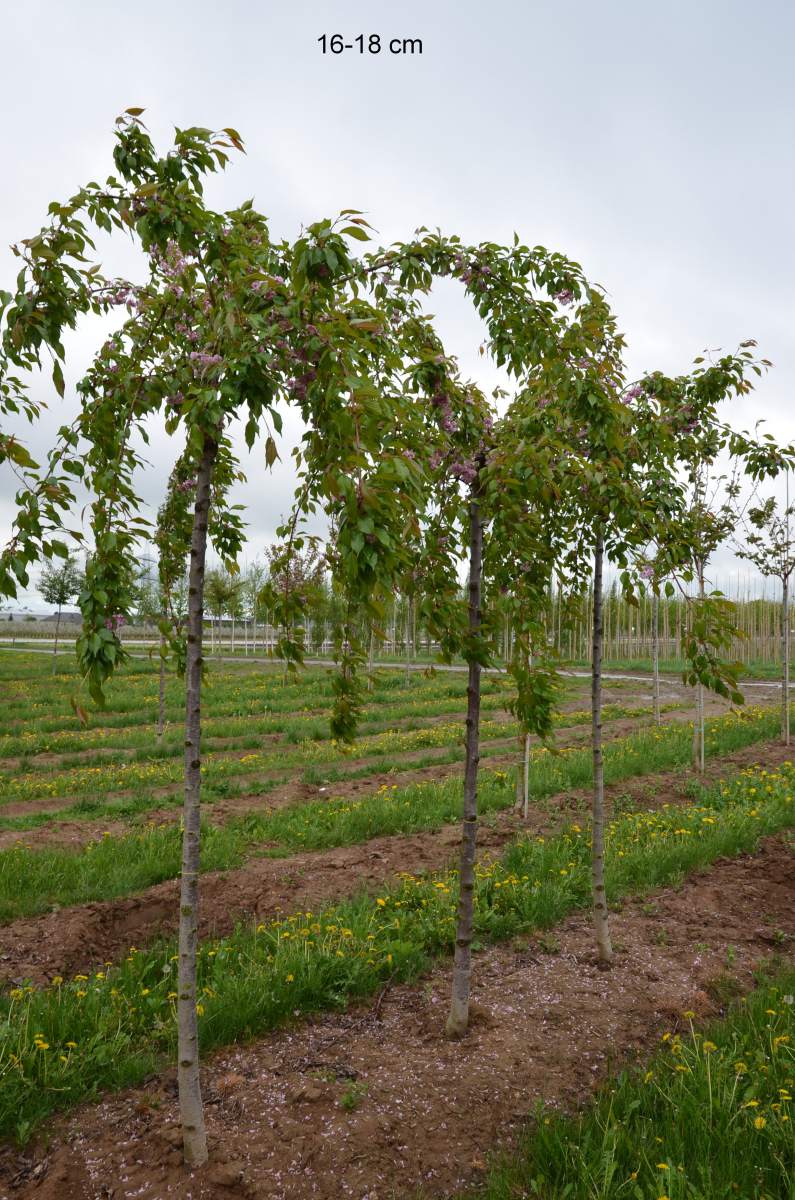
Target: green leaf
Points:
(356, 231)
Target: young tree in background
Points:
(60, 583)
(769, 545)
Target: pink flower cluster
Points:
(465, 470)
(172, 262)
(115, 622)
(446, 419)
(126, 294)
(472, 273)
(202, 361)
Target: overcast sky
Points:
(652, 143)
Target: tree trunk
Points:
(600, 914)
(519, 793)
(698, 724)
(520, 737)
(785, 636)
(458, 1020)
(655, 634)
(55, 644)
(161, 699)
(190, 1099)
(526, 777)
(371, 659)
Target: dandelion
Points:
(760, 1122)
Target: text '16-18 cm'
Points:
(369, 44)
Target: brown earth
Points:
(547, 1027)
(88, 935)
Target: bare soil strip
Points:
(89, 935)
(549, 1027)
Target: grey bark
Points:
(55, 645)
(526, 777)
(785, 706)
(458, 1020)
(655, 621)
(194, 1135)
(161, 697)
(600, 913)
(698, 723)
(371, 659)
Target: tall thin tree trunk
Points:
(370, 659)
(526, 777)
(520, 737)
(194, 1135)
(698, 724)
(523, 758)
(655, 634)
(785, 706)
(458, 1020)
(519, 792)
(408, 640)
(55, 645)
(161, 697)
(600, 914)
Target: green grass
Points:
(136, 788)
(33, 881)
(709, 1118)
(73, 1039)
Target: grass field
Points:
(333, 884)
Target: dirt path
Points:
(88, 935)
(549, 1027)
